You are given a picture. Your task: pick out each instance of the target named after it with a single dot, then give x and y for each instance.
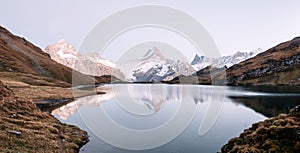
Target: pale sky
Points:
(234, 25)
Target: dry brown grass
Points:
(40, 132)
(43, 92)
(32, 92)
(16, 79)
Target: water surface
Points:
(194, 118)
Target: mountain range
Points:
(200, 62)
(22, 61)
(152, 67)
(155, 67)
(279, 65)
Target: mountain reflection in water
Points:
(156, 104)
(151, 97)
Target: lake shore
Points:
(277, 134)
(25, 128)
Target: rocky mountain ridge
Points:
(279, 65)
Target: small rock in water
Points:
(15, 132)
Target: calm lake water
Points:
(164, 118)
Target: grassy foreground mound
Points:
(24, 128)
(277, 134)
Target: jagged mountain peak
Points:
(154, 53)
(91, 63)
(62, 41)
(61, 48)
(62, 52)
(197, 59)
(154, 67)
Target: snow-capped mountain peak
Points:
(200, 62)
(64, 53)
(154, 67)
(153, 53)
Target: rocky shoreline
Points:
(277, 134)
(25, 128)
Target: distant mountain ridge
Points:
(200, 62)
